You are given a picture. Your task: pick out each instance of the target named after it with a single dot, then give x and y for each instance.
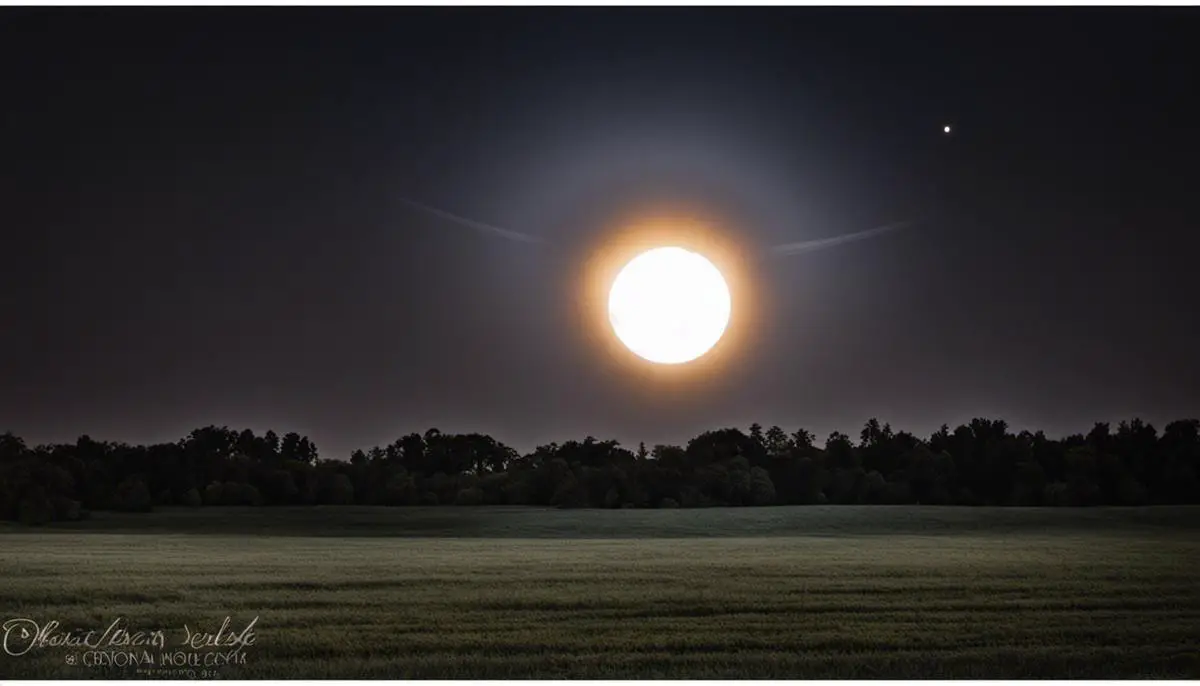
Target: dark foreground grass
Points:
(504, 593)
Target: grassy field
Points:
(813, 592)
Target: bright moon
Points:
(669, 305)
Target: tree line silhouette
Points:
(979, 463)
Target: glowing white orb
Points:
(945, 129)
(669, 305)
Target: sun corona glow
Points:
(669, 305)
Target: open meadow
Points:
(784, 592)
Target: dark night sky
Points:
(201, 222)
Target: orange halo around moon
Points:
(640, 235)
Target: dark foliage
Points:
(979, 463)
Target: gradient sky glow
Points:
(201, 217)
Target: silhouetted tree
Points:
(980, 462)
(132, 495)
